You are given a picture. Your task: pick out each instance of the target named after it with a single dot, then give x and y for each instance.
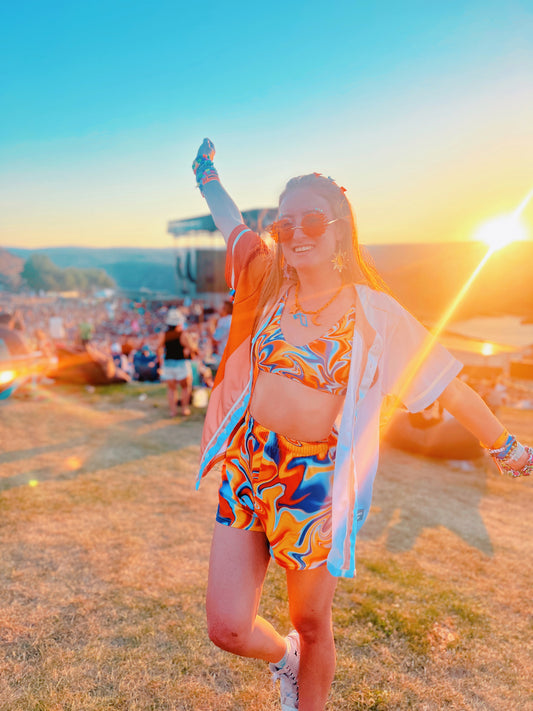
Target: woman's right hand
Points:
(206, 151)
(225, 212)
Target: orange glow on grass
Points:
(77, 409)
(73, 463)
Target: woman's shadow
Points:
(413, 493)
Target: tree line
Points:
(41, 274)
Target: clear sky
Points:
(422, 110)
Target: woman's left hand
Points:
(521, 465)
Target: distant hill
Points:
(130, 268)
(10, 269)
(89, 257)
(425, 277)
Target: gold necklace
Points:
(300, 313)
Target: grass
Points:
(104, 561)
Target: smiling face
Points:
(301, 251)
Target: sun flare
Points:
(501, 231)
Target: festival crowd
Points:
(128, 332)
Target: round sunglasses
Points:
(314, 225)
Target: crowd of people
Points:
(129, 334)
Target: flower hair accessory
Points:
(331, 180)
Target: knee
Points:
(229, 634)
(313, 628)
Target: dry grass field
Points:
(104, 545)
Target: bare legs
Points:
(186, 391)
(237, 569)
(171, 397)
(238, 565)
(310, 600)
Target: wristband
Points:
(502, 439)
(505, 449)
(204, 171)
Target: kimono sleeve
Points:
(243, 246)
(416, 367)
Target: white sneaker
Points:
(288, 674)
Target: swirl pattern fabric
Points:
(322, 364)
(282, 487)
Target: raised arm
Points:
(225, 212)
(471, 411)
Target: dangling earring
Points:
(339, 260)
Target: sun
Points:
(501, 231)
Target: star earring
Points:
(339, 260)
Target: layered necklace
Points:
(301, 314)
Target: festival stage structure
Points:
(200, 251)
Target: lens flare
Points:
(6, 376)
(73, 463)
(501, 231)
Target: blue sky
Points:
(423, 111)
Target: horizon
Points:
(422, 112)
(456, 243)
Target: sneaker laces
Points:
(288, 687)
(288, 674)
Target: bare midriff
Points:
(289, 408)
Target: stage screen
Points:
(210, 265)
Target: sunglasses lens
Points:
(285, 230)
(314, 224)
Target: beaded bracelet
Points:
(509, 469)
(503, 452)
(204, 171)
(507, 465)
(200, 162)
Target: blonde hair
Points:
(359, 266)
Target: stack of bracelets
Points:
(203, 167)
(508, 455)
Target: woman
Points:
(315, 344)
(174, 352)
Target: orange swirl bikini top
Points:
(322, 364)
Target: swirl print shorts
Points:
(282, 487)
